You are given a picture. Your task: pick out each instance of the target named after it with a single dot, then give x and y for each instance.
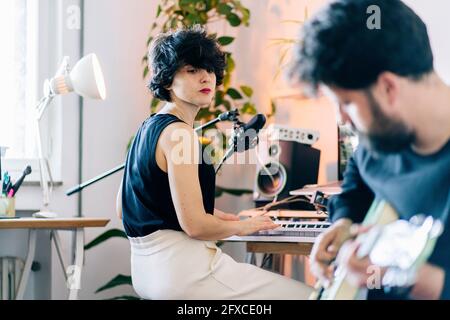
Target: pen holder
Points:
(7, 207)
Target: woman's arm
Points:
(186, 192)
(119, 202)
(225, 216)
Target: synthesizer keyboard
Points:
(289, 231)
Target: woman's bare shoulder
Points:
(175, 133)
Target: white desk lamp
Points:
(85, 79)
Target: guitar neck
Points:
(380, 213)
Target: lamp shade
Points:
(86, 78)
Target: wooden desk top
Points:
(59, 223)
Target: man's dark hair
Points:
(339, 49)
(188, 46)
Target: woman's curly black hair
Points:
(187, 46)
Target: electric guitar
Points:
(402, 246)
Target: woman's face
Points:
(194, 86)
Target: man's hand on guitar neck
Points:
(326, 248)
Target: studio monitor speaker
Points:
(284, 166)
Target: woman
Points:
(168, 189)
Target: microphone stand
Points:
(238, 135)
(226, 116)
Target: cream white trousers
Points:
(170, 265)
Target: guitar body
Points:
(380, 213)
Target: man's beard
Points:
(385, 135)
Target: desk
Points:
(33, 224)
(279, 246)
(294, 248)
(280, 262)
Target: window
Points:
(18, 79)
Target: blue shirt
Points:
(147, 204)
(411, 183)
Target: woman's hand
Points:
(255, 224)
(225, 216)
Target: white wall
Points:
(117, 32)
(435, 14)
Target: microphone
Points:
(225, 116)
(229, 115)
(244, 137)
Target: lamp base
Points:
(45, 214)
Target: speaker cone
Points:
(271, 179)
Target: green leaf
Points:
(226, 80)
(125, 298)
(159, 10)
(119, 280)
(247, 91)
(209, 5)
(194, 18)
(231, 65)
(173, 23)
(203, 18)
(154, 105)
(234, 94)
(225, 40)
(274, 108)
(249, 108)
(105, 236)
(204, 114)
(235, 192)
(145, 73)
(224, 9)
(246, 17)
(226, 104)
(187, 2)
(219, 98)
(149, 40)
(234, 19)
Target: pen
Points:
(5, 182)
(8, 187)
(18, 183)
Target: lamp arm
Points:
(43, 166)
(42, 106)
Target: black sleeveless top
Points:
(147, 204)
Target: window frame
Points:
(42, 29)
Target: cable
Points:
(290, 199)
